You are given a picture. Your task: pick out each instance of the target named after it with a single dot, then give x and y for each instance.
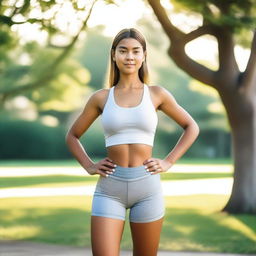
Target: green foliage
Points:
(244, 38)
(25, 11)
(8, 41)
(192, 223)
(94, 56)
(93, 140)
(30, 65)
(31, 140)
(63, 92)
(235, 14)
(66, 90)
(5, 37)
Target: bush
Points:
(212, 143)
(31, 140)
(21, 139)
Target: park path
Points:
(221, 186)
(9, 171)
(27, 248)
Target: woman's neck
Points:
(129, 82)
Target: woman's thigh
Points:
(106, 235)
(146, 237)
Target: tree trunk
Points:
(237, 91)
(242, 118)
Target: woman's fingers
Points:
(108, 162)
(101, 173)
(105, 167)
(153, 166)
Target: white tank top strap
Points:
(111, 94)
(145, 95)
(110, 98)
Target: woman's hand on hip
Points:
(155, 165)
(103, 167)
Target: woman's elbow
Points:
(195, 128)
(69, 137)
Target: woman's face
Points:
(128, 55)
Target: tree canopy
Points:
(60, 34)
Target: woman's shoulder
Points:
(99, 97)
(158, 90)
(100, 94)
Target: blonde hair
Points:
(114, 73)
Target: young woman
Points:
(129, 175)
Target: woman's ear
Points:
(113, 55)
(145, 56)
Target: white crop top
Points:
(129, 125)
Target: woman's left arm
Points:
(171, 108)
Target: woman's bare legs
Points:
(146, 237)
(106, 234)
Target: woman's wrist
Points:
(166, 164)
(169, 161)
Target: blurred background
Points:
(46, 77)
(55, 53)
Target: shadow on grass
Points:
(59, 226)
(195, 175)
(57, 220)
(66, 220)
(190, 230)
(37, 180)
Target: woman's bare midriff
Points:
(129, 155)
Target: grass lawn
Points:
(58, 163)
(192, 222)
(68, 180)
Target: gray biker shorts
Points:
(129, 188)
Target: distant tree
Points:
(226, 21)
(94, 56)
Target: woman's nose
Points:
(129, 56)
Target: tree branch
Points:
(191, 67)
(15, 9)
(8, 21)
(249, 75)
(29, 86)
(227, 61)
(177, 49)
(171, 31)
(50, 72)
(203, 30)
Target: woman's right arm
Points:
(89, 114)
